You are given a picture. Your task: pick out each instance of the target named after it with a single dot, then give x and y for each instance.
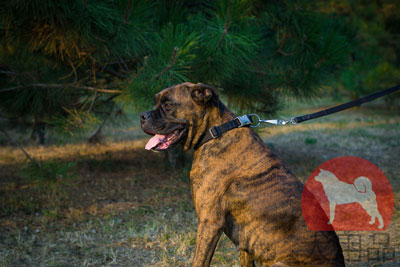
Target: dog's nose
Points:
(144, 116)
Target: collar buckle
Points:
(215, 132)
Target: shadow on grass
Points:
(113, 176)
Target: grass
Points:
(123, 207)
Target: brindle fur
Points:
(240, 187)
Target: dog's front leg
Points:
(245, 259)
(208, 234)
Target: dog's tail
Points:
(363, 185)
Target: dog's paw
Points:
(329, 222)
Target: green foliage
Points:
(375, 63)
(384, 75)
(63, 63)
(77, 30)
(49, 177)
(76, 121)
(228, 40)
(307, 49)
(310, 141)
(253, 52)
(55, 55)
(169, 63)
(49, 172)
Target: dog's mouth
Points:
(162, 142)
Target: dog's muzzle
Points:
(164, 139)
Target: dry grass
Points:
(124, 207)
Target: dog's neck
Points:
(213, 116)
(219, 115)
(228, 149)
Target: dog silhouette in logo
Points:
(339, 192)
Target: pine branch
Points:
(226, 26)
(7, 72)
(112, 72)
(316, 65)
(92, 104)
(280, 50)
(43, 85)
(96, 137)
(285, 54)
(121, 61)
(173, 58)
(74, 70)
(285, 36)
(128, 11)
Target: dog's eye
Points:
(168, 106)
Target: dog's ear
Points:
(204, 94)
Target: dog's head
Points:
(176, 115)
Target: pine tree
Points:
(375, 58)
(59, 59)
(73, 64)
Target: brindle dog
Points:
(239, 187)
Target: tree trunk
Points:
(97, 137)
(175, 157)
(38, 133)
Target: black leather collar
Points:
(217, 131)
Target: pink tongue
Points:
(154, 141)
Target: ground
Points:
(120, 205)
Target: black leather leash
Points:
(249, 121)
(344, 106)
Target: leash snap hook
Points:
(276, 122)
(293, 120)
(256, 122)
